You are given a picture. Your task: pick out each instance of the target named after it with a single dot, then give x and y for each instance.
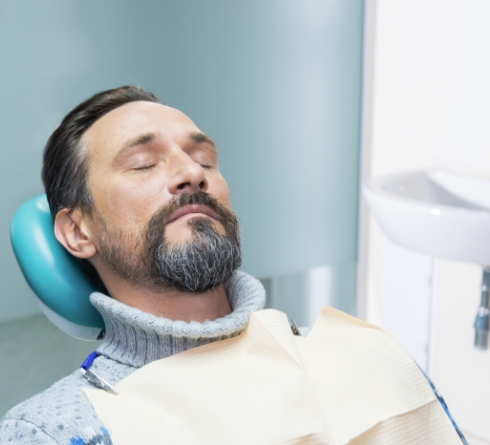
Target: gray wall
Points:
(276, 83)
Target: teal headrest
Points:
(60, 286)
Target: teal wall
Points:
(277, 83)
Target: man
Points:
(136, 195)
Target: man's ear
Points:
(71, 232)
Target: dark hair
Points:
(65, 167)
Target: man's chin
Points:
(177, 235)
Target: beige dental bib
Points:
(347, 382)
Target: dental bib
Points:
(347, 382)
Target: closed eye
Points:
(144, 167)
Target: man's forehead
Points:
(129, 120)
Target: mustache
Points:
(162, 215)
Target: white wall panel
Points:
(430, 109)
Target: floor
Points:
(33, 355)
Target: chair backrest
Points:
(59, 286)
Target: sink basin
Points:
(438, 213)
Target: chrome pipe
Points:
(482, 321)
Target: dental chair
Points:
(58, 284)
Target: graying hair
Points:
(65, 168)
(207, 261)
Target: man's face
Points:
(154, 179)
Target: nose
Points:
(187, 175)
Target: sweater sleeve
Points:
(446, 410)
(23, 432)
(444, 406)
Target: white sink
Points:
(434, 212)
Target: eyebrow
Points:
(147, 138)
(142, 139)
(199, 138)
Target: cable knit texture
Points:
(62, 414)
(136, 338)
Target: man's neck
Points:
(172, 304)
(137, 338)
(166, 302)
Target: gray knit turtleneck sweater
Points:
(62, 414)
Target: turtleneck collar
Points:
(136, 338)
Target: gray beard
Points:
(150, 261)
(206, 261)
